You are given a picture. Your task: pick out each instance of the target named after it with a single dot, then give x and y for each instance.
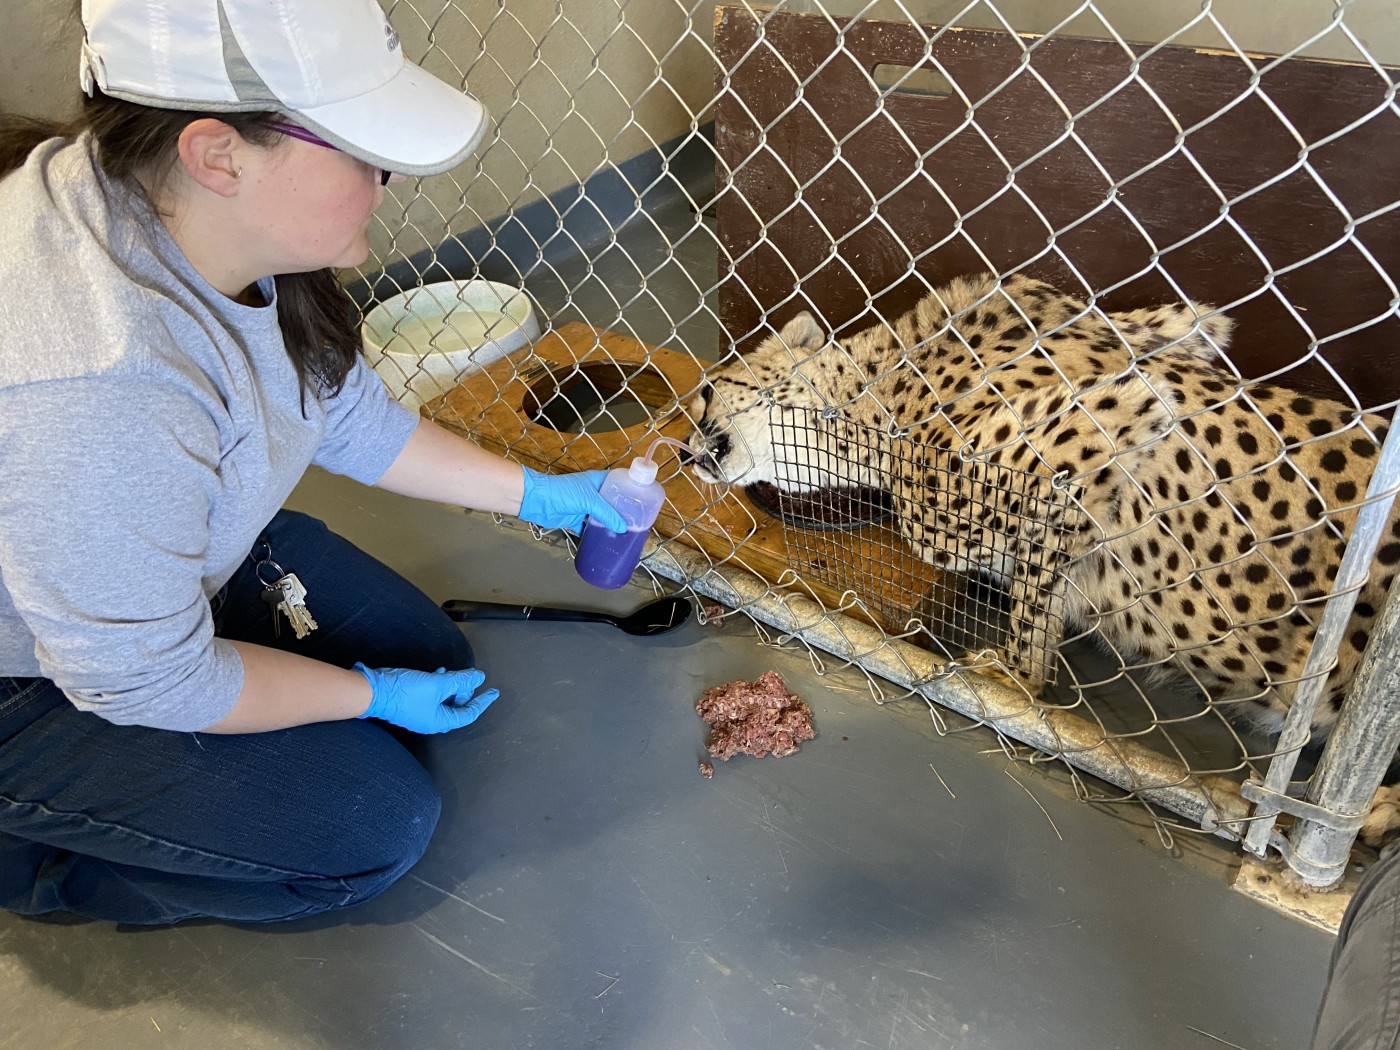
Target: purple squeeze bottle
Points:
(607, 559)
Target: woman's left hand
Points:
(426, 702)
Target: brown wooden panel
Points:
(1174, 157)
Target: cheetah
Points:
(1200, 523)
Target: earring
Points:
(238, 174)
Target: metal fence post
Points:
(1364, 740)
(1360, 749)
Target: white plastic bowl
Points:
(425, 340)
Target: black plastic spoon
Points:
(658, 617)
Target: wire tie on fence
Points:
(1164, 833)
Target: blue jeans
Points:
(148, 826)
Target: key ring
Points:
(258, 572)
(261, 557)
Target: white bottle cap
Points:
(642, 471)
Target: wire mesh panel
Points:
(1128, 468)
(931, 518)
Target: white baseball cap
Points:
(334, 67)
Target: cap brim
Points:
(413, 125)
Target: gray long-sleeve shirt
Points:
(149, 428)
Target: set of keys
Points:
(287, 596)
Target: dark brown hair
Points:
(138, 146)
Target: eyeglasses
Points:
(292, 131)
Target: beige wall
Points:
(39, 58)
(576, 91)
(570, 93)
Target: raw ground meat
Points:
(755, 718)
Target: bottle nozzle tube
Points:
(666, 441)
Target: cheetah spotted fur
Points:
(1205, 519)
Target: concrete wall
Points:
(581, 85)
(39, 58)
(571, 92)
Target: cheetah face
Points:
(732, 436)
(775, 388)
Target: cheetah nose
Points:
(705, 450)
(706, 462)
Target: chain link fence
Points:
(1137, 518)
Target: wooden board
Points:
(1205, 174)
(499, 407)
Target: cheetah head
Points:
(780, 388)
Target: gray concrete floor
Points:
(587, 888)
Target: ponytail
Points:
(19, 136)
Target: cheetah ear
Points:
(803, 333)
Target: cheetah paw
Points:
(994, 664)
(1384, 816)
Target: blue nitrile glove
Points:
(426, 702)
(562, 501)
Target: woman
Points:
(174, 352)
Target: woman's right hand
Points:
(564, 501)
(426, 702)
